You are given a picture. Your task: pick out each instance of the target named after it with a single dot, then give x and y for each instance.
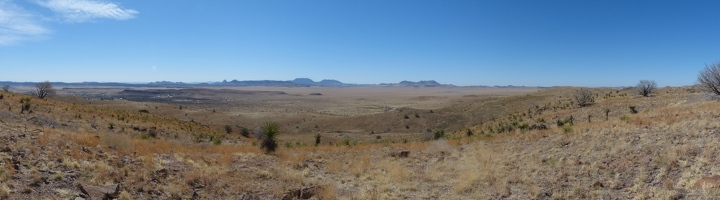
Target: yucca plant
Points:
(269, 131)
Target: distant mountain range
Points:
(429, 83)
(298, 82)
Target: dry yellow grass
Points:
(658, 153)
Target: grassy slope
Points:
(658, 153)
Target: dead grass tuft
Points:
(328, 191)
(85, 139)
(4, 191)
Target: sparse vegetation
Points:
(245, 132)
(519, 149)
(709, 79)
(216, 141)
(269, 132)
(6, 88)
(624, 118)
(583, 97)
(43, 89)
(228, 129)
(25, 104)
(439, 134)
(646, 87)
(632, 109)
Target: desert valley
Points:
(366, 142)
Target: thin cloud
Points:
(17, 24)
(87, 10)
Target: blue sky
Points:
(503, 42)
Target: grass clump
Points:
(624, 118)
(217, 141)
(245, 132)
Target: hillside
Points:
(660, 152)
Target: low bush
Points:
(269, 131)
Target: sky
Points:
(475, 42)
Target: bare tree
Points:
(646, 87)
(584, 97)
(709, 78)
(6, 88)
(43, 89)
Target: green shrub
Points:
(25, 105)
(624, 118)
(541, 120)
(317, 139)
(217, 141)
(228, 129)
(439, 134)
(632, 110)
(269, 131)
(568, 129)
(524, 126)
(245, 132)
(144, 111)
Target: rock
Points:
(302, 193)
(247, 197)
(544, 194)
(23, 152)
(506, 193)
(708, 182)
(401, 154)
(679, 194)
(96, 192)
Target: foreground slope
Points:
(658, 153)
